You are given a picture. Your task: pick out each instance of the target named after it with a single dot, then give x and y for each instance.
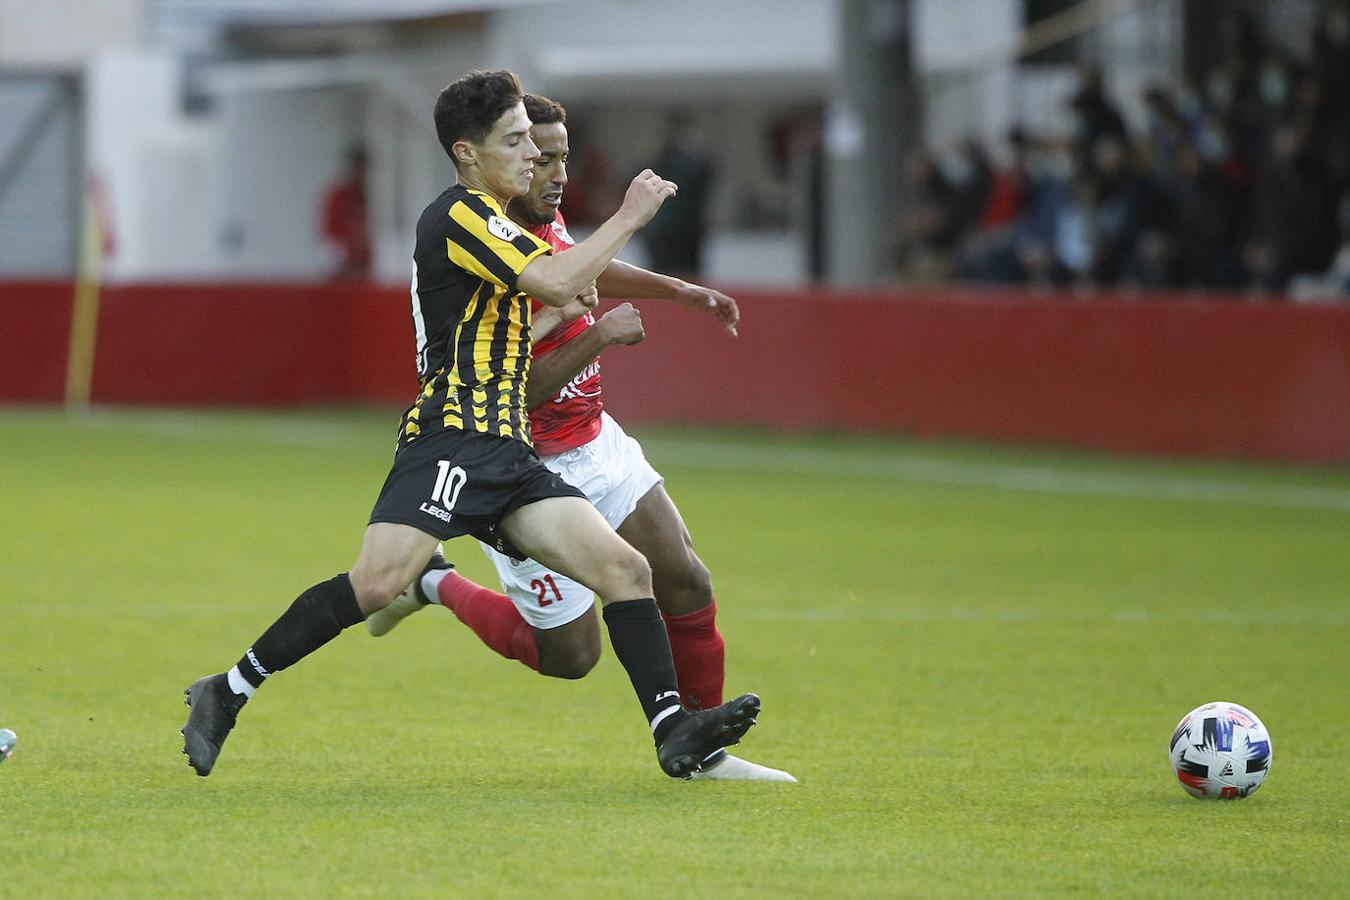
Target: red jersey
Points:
(572, 416)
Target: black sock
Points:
(639, 639)
(315, 618)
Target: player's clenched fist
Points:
(645, 196)
(579, 305)
(622, 324)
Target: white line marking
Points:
(875, 615)
(900, 466)
(286, 431)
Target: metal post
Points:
(870, 125)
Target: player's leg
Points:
(571, 650)
(683, 593)
(397, 544)
(568, 535)
(544, 619)
(631, 498)
(391, 555)
(657, 530)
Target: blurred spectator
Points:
(674, 237)
(1232, 183)
(1120, 203)
(1205, 226)
(1077, 238)
(949, 199)
(1293, 220)
(1168, 133)
(345, 228)
(1009, 187)
(927, 232)
(594, 190)
(1331, 69)
(1337, 280)
(1097, 117)
(971, 175)
(1334, 284)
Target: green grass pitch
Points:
(972, 658)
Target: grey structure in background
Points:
(869, 128)
(40, 174)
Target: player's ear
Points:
(463, 152)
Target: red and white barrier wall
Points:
(1163, 375)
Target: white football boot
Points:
(383, 621)
(733, 768)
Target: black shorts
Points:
(452, 482)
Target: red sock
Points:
(700, 656)
(492, 616)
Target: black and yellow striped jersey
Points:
(472, 325)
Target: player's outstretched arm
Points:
(548, 373)
(555, 280)
(620, 279)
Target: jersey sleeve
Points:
(488, 245)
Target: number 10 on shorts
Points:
(449, 481)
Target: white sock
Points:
(238, 683)
(431, 583)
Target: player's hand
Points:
(579, 305)
(622, 324)
(714, 303)
(645, 195)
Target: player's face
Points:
(503, 162)
(540, 204)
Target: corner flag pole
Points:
(84, 310)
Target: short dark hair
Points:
(543, 111)
(468, 108)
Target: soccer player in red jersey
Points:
(546, 620)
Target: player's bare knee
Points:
(374, 589)
(697, 582)
(636, 573)
(686, 589)
(576, 663)
(568, 652)
(626, 576)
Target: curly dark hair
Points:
(468, 108)
(543, 111)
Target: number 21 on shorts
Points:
(543, 587)
(449, 481)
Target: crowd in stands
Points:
(1238, 181)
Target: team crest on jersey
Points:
(561, 231)
(499, 227)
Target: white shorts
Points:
(614, 474)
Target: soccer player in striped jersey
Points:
(546, 620)
(464, 463)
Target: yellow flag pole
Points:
(84, 310)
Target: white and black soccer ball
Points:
(1220, 751)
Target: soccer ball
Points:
(1220, 751)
